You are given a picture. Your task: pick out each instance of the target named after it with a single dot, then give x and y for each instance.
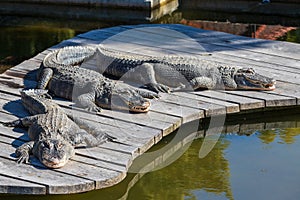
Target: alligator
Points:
(61, 73)
(53, 135)
(159, 74)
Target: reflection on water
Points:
(264, 164)
(20, 43)
(249, 164)
(241, 166)
(188, 175)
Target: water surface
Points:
(19, 43)
(254, 163)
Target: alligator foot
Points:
(12, 123)
(23, 151)
(47, 96)
(147, 94)
(157, 87)
(179, 88)
(93, 109)
(23, 157)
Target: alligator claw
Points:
(157, 87)
(179, 88)
(23, 157)
(148, 94)
(153, 96)
(94, 109)
(47, 96)
(8, 124)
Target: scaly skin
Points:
(161, 73)
(52, 133)
(61, 73)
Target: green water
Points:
(22, 42)
(23, 37)
(262, 164)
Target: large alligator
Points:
(53, 134)
(61, 73)
(161, 73)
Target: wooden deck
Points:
(107, 165)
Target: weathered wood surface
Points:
(106, 165)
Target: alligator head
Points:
(53, 153)
(123, 98)
(248, 79)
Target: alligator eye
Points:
(59, 145)
(250, 70)
(47, 144)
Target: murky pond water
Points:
(262, 164)
(254, 163)
(20, 43)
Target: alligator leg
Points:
(143, 92)
(87, 101)
(145, 74)
(90, 140)
(147, 94)
(202, 83)
(23, 152)
(22, 122)
(45, 77)
(90, 134)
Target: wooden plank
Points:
(143, 143)
(244, 102)
(14, 186)
(139, 137)
(229, 107)
(272, 58)
(12, 107)
(56, 183)
(20, 135)
(287, 89)
(120, 157)
(10, 83)
(99, 163)
(152, 39)
(27, 66)
(268, 61)
(187, 114)
(151, 36)
(209, 108)
(88, 152)
(93, 168)
(257, 61)
(276, 48)
(124, 157)
(271, 100)
(166, 123)
(110, 156)
(101, 176)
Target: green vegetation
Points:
(292, 36)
